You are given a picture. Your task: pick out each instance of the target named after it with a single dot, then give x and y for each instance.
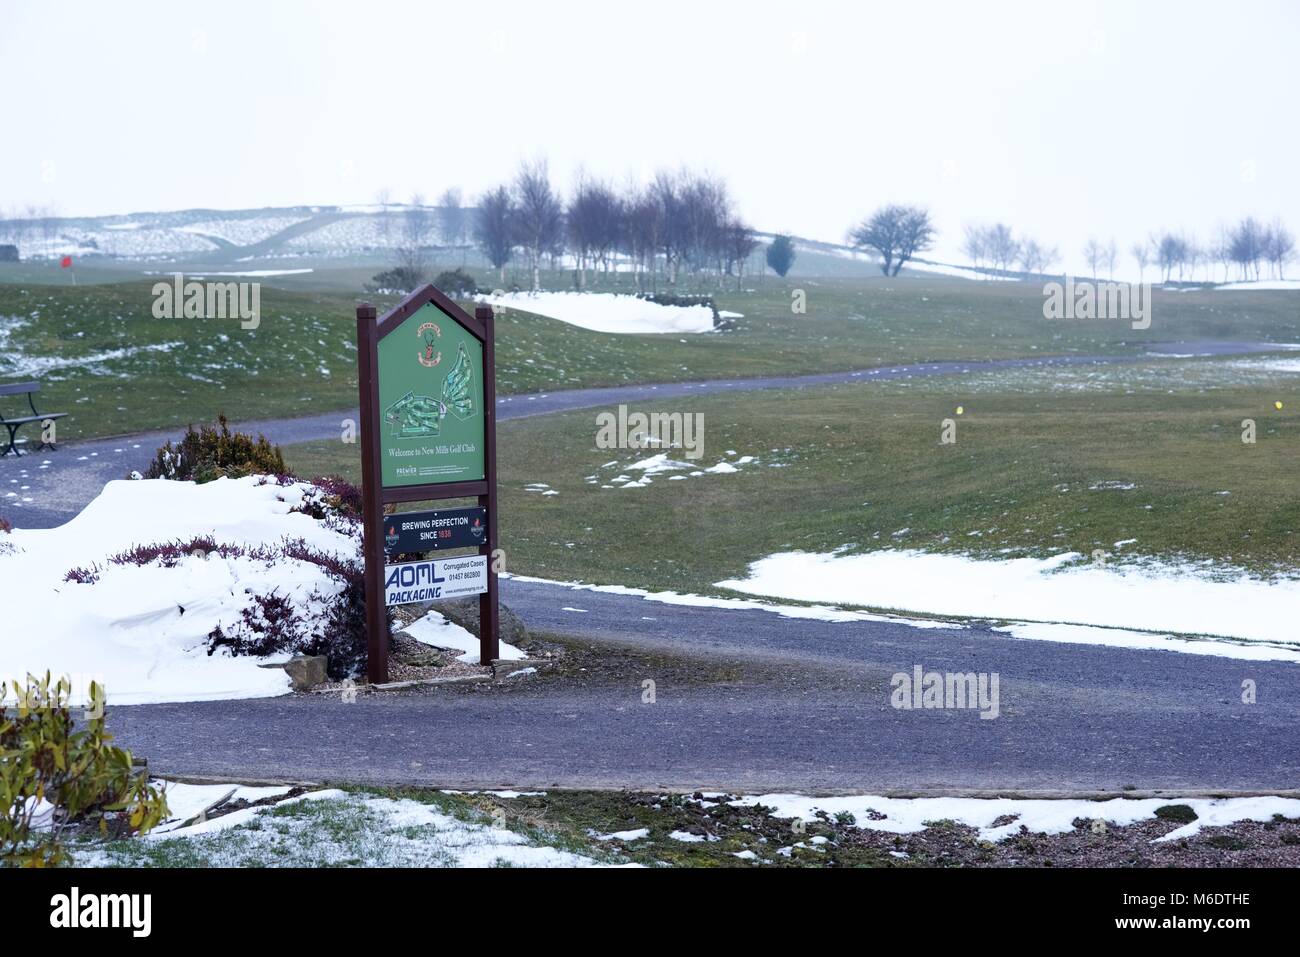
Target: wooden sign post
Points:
(427, 375)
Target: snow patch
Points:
(1159, 597)
(608, 312)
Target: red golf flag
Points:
(66, 262)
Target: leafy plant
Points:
(54, 775)
(210, 454)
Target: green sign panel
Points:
(430, 402)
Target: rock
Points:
(504, 669)
(307, 671)
(464, 612)
(405, 649)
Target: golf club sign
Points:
(428, 433)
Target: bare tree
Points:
(1002, 246)
(666, 194)
(539, 215)
(897, 233)
(975, 244)
(1110, 256)
(494, 229)
(451, 217)
(1221, 249)
(1247, 247)
(1193, 255)
(739, 244)
(1279, 247)
(642, 227)
(1141, 253)
(412, 246)
(1093, 255)
(1035, 257)
(1168, 253)
(383, 198)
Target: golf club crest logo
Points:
(429, 333)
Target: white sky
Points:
(1063, 119)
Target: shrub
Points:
(6, 526)
(456, 282)
(338, 498)
(210, 454)
(53, 776)
(781, 255)
(401, 279)
(274, 625)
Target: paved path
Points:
(805, 705)
(807, 708)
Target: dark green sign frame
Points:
(426, 372)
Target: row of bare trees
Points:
(997, 248)
(680, 222)
(1250, 249)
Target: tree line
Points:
(680, 222)
(1250, 250)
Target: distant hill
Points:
(287, 232)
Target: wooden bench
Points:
(14, 423)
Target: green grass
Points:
(301, 359)
(862, 467)
(345, 832)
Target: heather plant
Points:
(212, 453)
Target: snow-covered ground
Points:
(252, 273)
(660, 465)
(437, 632)
(812, 612)
(325, 828)
(1262, 284)
(608, 312)
(1154, 597)
(141, 630)
(330, 827)
(243, 231)
(909, 815)
(17, 363)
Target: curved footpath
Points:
(745, 700)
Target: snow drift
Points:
(142, 630)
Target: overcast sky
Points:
(1066, 120)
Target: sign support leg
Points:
(372, 507)
(489, 615)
